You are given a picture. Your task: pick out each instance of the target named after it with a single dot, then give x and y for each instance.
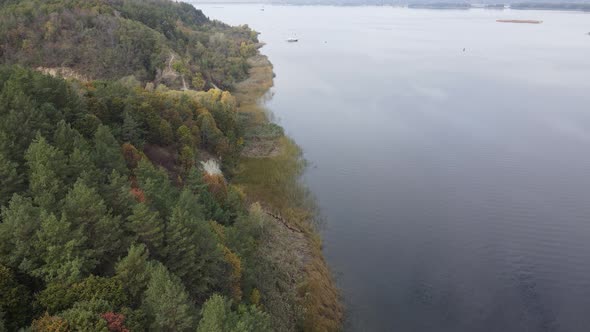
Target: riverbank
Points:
(269, 172)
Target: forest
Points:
(108, 221)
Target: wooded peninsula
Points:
(143, 187)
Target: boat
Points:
(292, 40)
(520, 21)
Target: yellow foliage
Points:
(47, 323)
(235, 275)
(255, 297)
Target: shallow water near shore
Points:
(450, 155)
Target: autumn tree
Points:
(47, 323)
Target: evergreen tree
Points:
(130, 130)
(117, 194)
(148, 227)
(10, 180)
(167, 303)
(21, 120)
(66, 138)
(46, 167)
(2, 324)
(217, 316)
(107, 151)
(86, 316)
(133, 272)
(15, 300)
(184, 136)
(62, 249)
(87, 212)
(191, 247)
(156, 185)
(166, 134)
(20, 222)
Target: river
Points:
(450, 156)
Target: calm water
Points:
(455, 185)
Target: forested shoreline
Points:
(109, 220)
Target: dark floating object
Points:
(520, 21)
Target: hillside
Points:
(109, 221)
(154, 40)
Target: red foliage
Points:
(138, 194)
(115, 322)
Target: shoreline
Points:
(269, 174)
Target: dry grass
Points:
(272, 178)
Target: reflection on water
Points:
(455, 184)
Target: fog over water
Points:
(455, 184)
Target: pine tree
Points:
(148, 227)
(133, 272)
(62, 249)
(167, 303)
(66, 138)
(130, 131)
(86, 315)
(157, 187)
(46, 167)
(107, 151)
(117, 194)
(191, 247)
(218, 316)
(87, 212)
(10, 180)
(20, 222)
(166, 134)
(15, 300)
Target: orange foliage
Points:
(138, 194)
(47, 323)
(216, 185)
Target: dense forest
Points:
(153, 40)
(108, 220)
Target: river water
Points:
(455, 183)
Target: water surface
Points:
(455, 184)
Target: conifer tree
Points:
(167, 303)
(46, 166)
(62, 250)
(148, 227)
(133, 272)
(87, 212)
(15, 300)
(156, 185)
(191, 247)
(20, 222)
(107, 151)
(10, 180)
